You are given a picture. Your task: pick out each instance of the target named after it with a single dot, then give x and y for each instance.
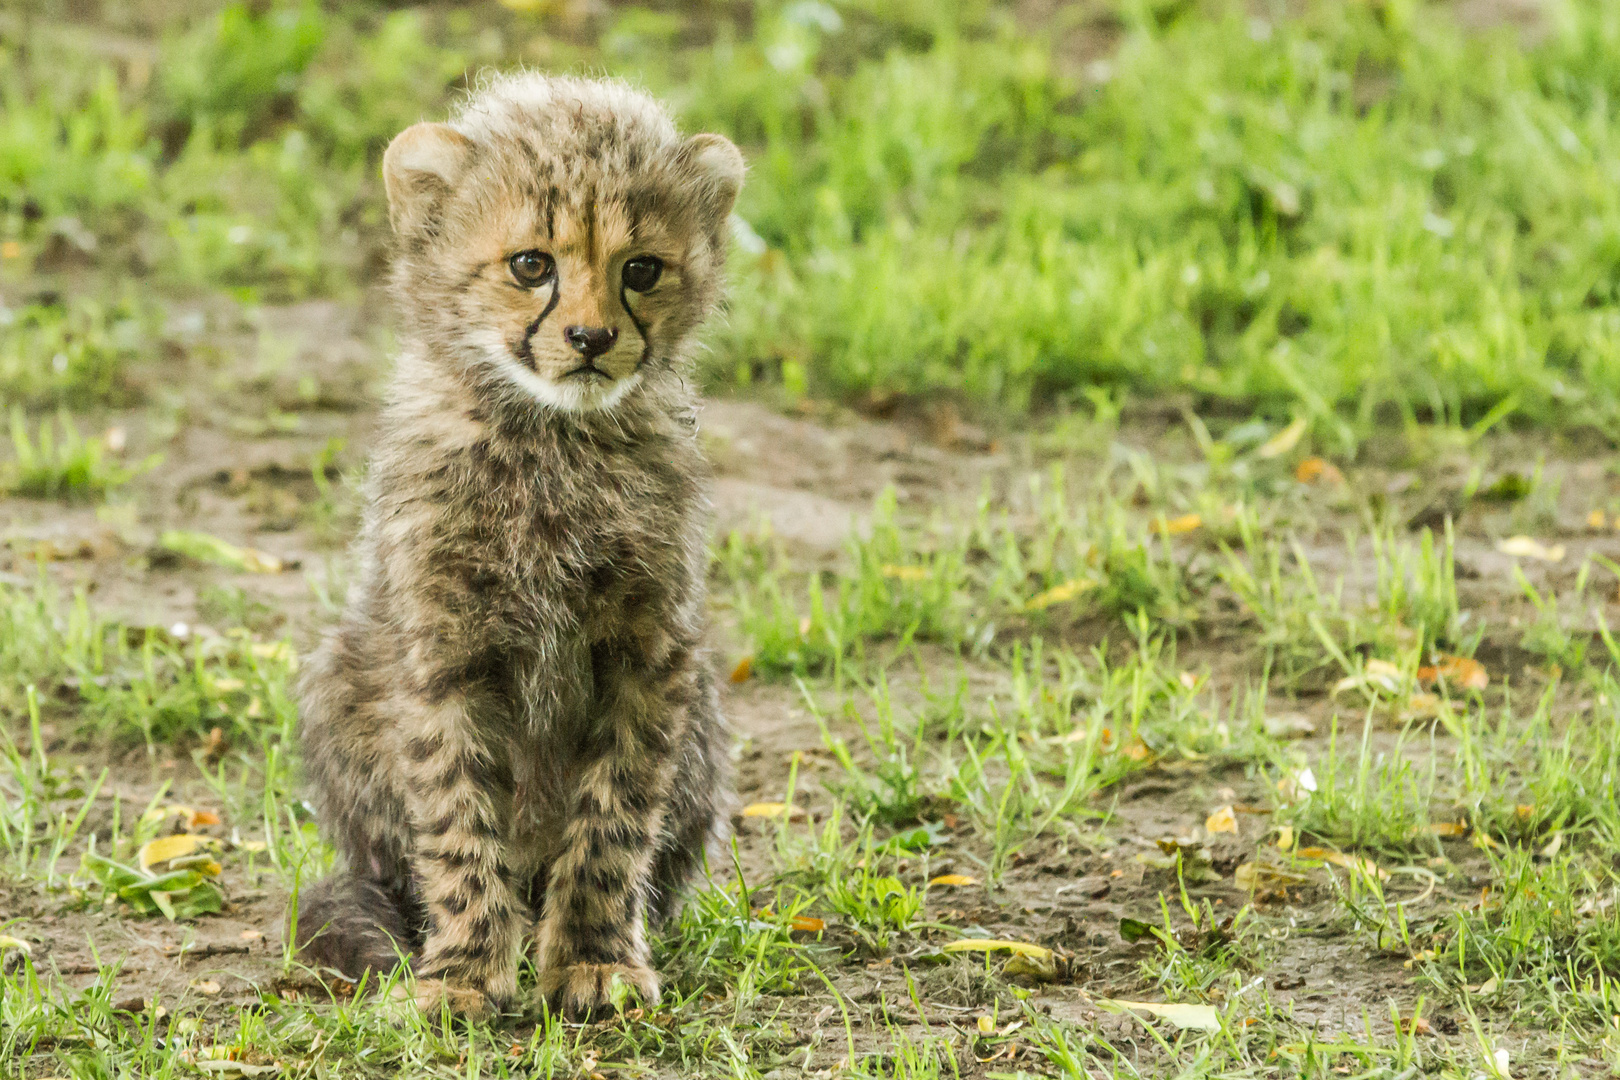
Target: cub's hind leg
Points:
(364, 917)
(699, 800)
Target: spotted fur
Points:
(513, 730)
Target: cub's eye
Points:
(531, 268)
(642, 273)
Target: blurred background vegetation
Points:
(1362, 212)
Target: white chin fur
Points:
(571, 395)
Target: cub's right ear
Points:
(422, 163)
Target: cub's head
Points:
(559, 237)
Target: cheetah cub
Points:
(514, 727)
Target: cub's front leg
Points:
(593, 929)
(460, 799)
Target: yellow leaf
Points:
(1136, 750)
(1358, 863)
(1526, 547)
(808, 923)
(744, 669)
(206, 986)
(954, 879)
(1457, 670)
(1488, 987)
(1223, 820)
(9, 942)
(1284, 441)
(764, 809)
(987, 1026)
(906, 573)
(1596, 520)
(1285, 837)
(1422, 706)
(1313, 469)
(1255, 875)
(165, 848)
(1190, 1017)
(1449, 828)
(1186, 523)
(993, 945)
(1058, 594)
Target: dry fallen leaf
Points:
(165, 848)
(1376, 673)
(1186, 523)
(1223, 820)
(251, 935)
(1358, 863)
(1265, 876)
(1298, 786)
(1313, 469)
(1284, 441)
(1187, 1017)
(1526, 547)
(1289, 726)
(808, 923)
(764, 809)
(1058, 594)
(1422, 706)
(1460, 671)
(206, 986)
(1417, 1025)
(953, 879)
(995, 945)
(744, 668)
(1136, 750)
(906, 573)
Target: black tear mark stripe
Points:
(525, 349)
(641, 328)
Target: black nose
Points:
(590, 341)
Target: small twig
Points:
(206, 951)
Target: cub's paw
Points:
(579, 989)
(465, 1001)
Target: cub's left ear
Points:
(719, 169)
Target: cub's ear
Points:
(422, 163)
(718, 167)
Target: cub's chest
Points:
(600, 524)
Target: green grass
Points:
(1360, 212)
(1361, 217)
(59, 463)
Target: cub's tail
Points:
(353, 925)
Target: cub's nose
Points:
(590, 341)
